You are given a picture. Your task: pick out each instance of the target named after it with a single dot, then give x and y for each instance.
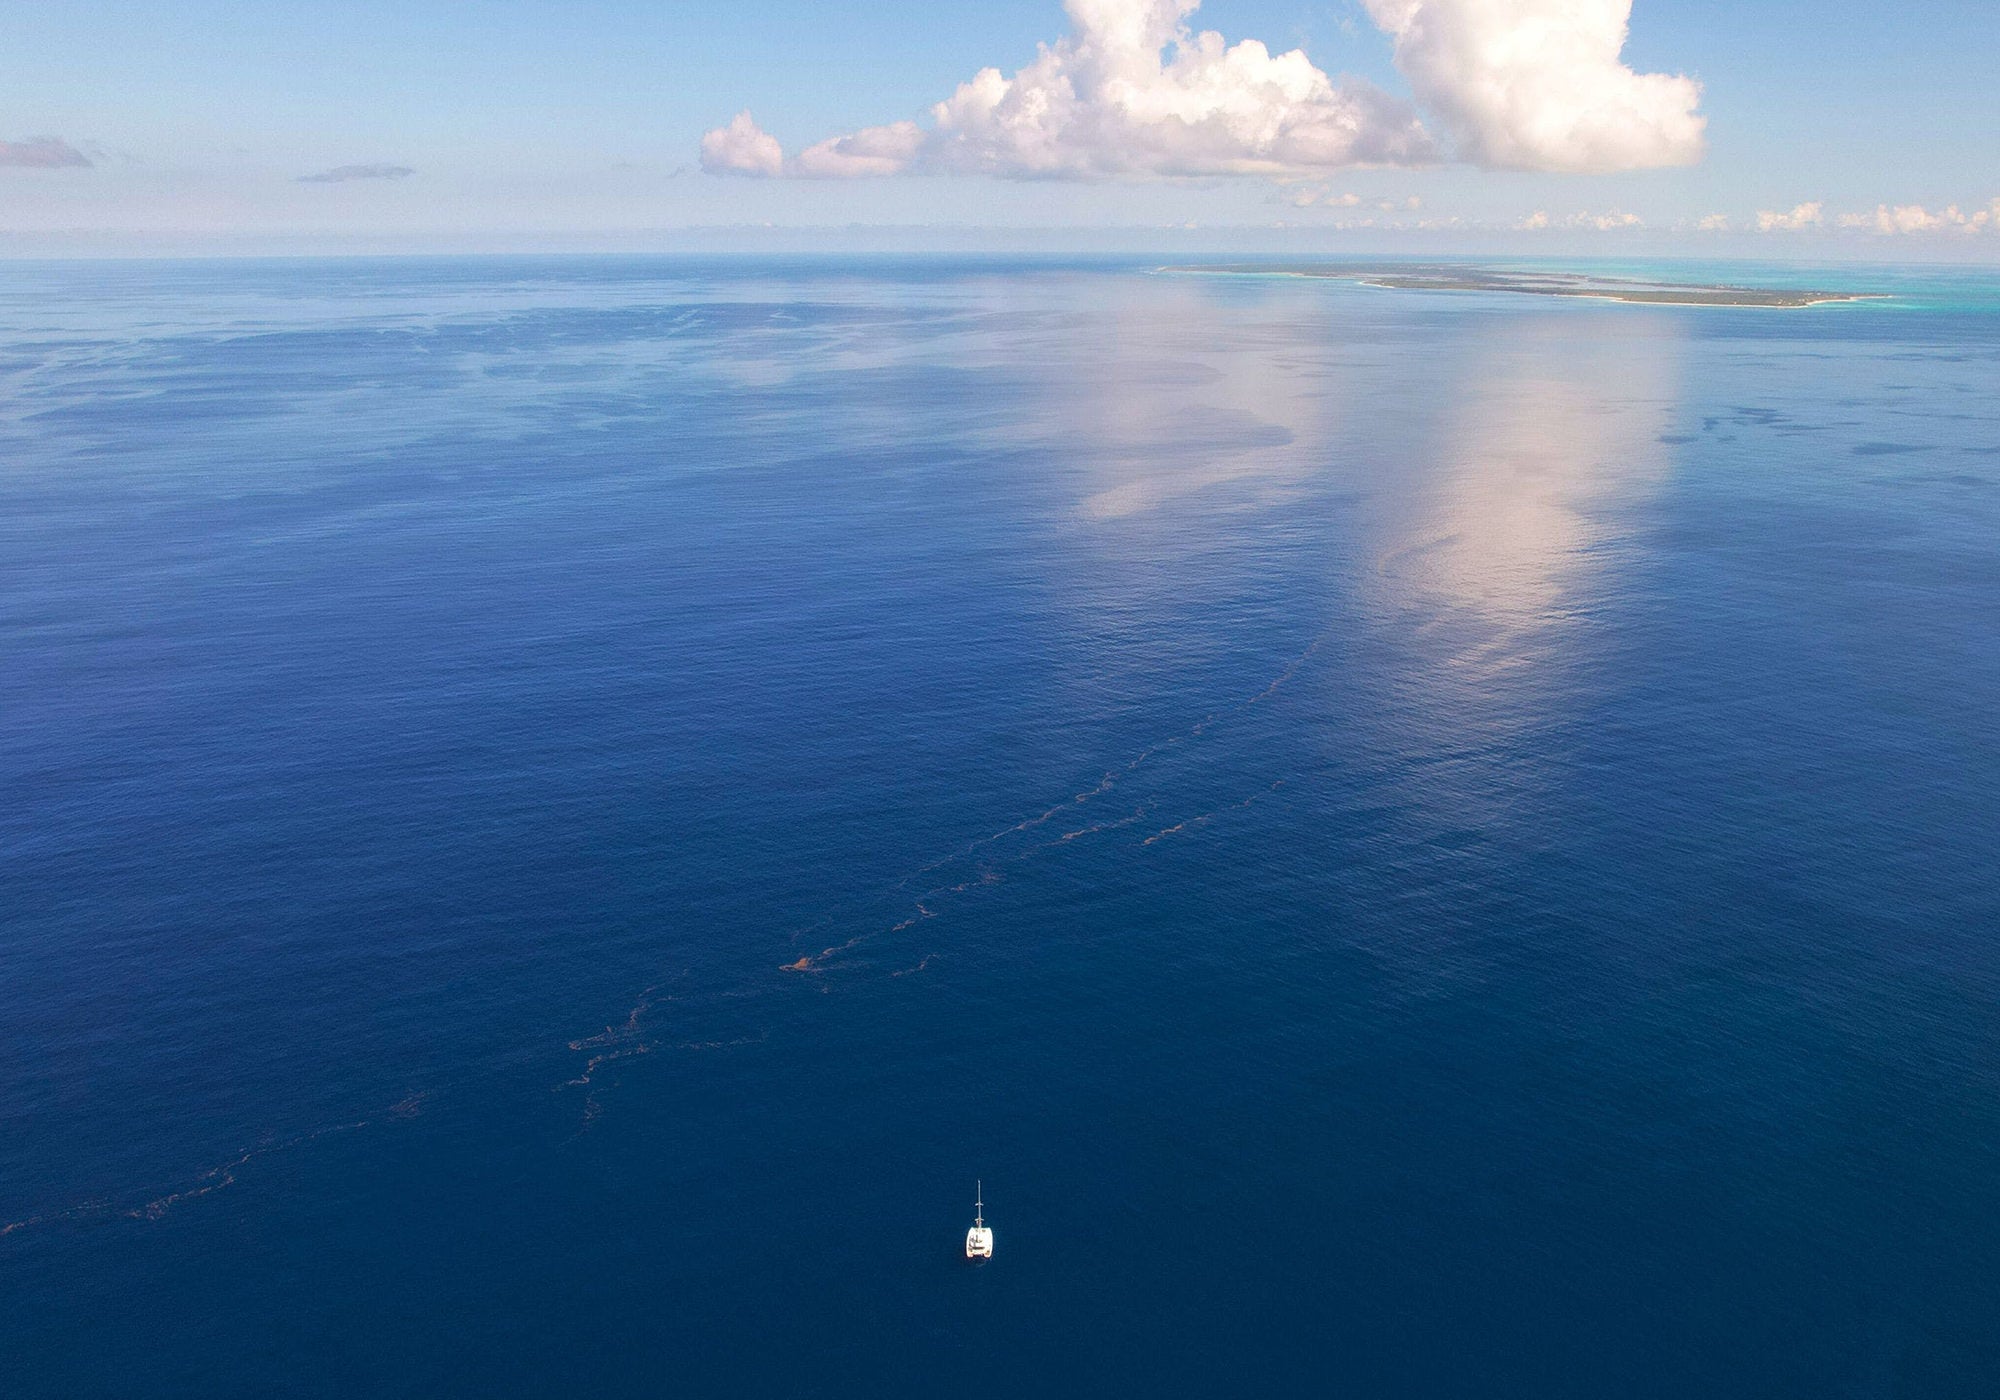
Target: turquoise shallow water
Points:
(1938, 289)
(562, 811)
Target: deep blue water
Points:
(1421, 844)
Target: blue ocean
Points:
(561, 815)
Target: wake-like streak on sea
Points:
(142, 1206)
(656, 1021)
(991, 855)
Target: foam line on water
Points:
(1104, 785)
(217, 1178)
(1205, 818)
(628, 1039)
(619, 1041)
(924, 910)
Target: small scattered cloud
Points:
(1802, 216)
(1712, 223)
(1319, 196)
(1611, 221)
(42, 153)
(1323, 197)
(341, 174)
(1914, 218)
(1131, 91)
(742, 148)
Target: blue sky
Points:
(534, 122)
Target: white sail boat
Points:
(979, 1239)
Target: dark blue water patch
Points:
(563, 812)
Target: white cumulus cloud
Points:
(1133, 91)
(1539, 84)
(1914, 218)
(1321, 197)
(1609, 222)
(741, 148)
(1801, 216)
(1309, 196)
(879, 150)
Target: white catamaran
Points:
(979, 1239)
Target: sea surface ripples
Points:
(561, 811)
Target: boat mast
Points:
(979, 1204)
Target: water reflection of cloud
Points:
(1500, 526)
(1164, 391)
(1545, 435)
(1498, 553)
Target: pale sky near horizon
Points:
(422, 125)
